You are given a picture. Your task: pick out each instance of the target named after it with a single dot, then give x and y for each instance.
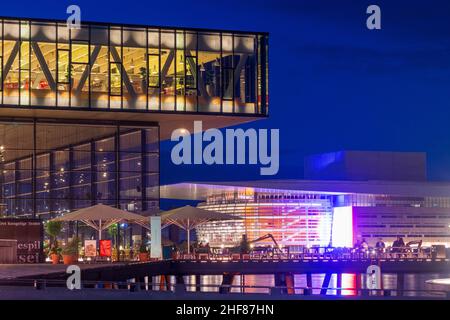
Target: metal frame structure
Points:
(139, 127)
(253, 65)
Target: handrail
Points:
(42, 284)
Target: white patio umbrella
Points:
(189, 218)
(101, 217)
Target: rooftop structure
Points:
(366, 165)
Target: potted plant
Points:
(54, 254)
(143, 253)
(70, 251)
(53, 229)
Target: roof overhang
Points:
(201, 190)
(168, 121)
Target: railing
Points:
(310, 256)
(273, 291)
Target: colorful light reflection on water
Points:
(349, 283)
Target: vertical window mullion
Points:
(233, 80)
(33, 170)
(148, 69)
(185, 75)
(221, 75)
(1, 72)
(159, 71)
(20, 61)
(3, 52)
(89, 66)
(57, 65)
(70, 68)
(196, 70)
(175, 69)
(117, 176)
(122, 68)
(29, 63)
(109, 67)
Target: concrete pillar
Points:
(326, 283)
(286, 281)
(308, 291)
(198, 283)
(339, 284)
(227, 280)
(400, 284)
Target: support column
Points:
(33, 171)
(359, 284)
(198, 283)
(180, 285)
(308, 284)
(117, 185)
(339, 284)
(71, 184)
(144, 181)
(400, 284)
(227, 280)
(285, 280)
(93, 195)
(52, 173)
(325, 284)
(167, 279)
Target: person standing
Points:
(380, 245)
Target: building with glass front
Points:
(347, 196)
(82, 111)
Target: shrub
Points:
(143, 249)
(71, 248)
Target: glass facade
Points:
(50, 168)
(292, 219)
(45, 64)
(314, 218)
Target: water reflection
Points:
(340, 284)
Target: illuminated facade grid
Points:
(48, 169)
(83, 110)
(293, 219)
(132, 68)
(318, 213)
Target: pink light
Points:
(348, 282)
(342, 232)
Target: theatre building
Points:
(345, 197)
(82, 111)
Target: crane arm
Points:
(264, 237)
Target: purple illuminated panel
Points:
(342, 231)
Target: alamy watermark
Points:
(74, 19)
(237, 147)
(74, 280)
(373, 22)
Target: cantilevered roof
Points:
(130, 25)
(201, 190)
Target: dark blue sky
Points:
(333, 83)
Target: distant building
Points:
(323, 212)
(366, 165)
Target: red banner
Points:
(105, 248)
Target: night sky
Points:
(334, 84)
